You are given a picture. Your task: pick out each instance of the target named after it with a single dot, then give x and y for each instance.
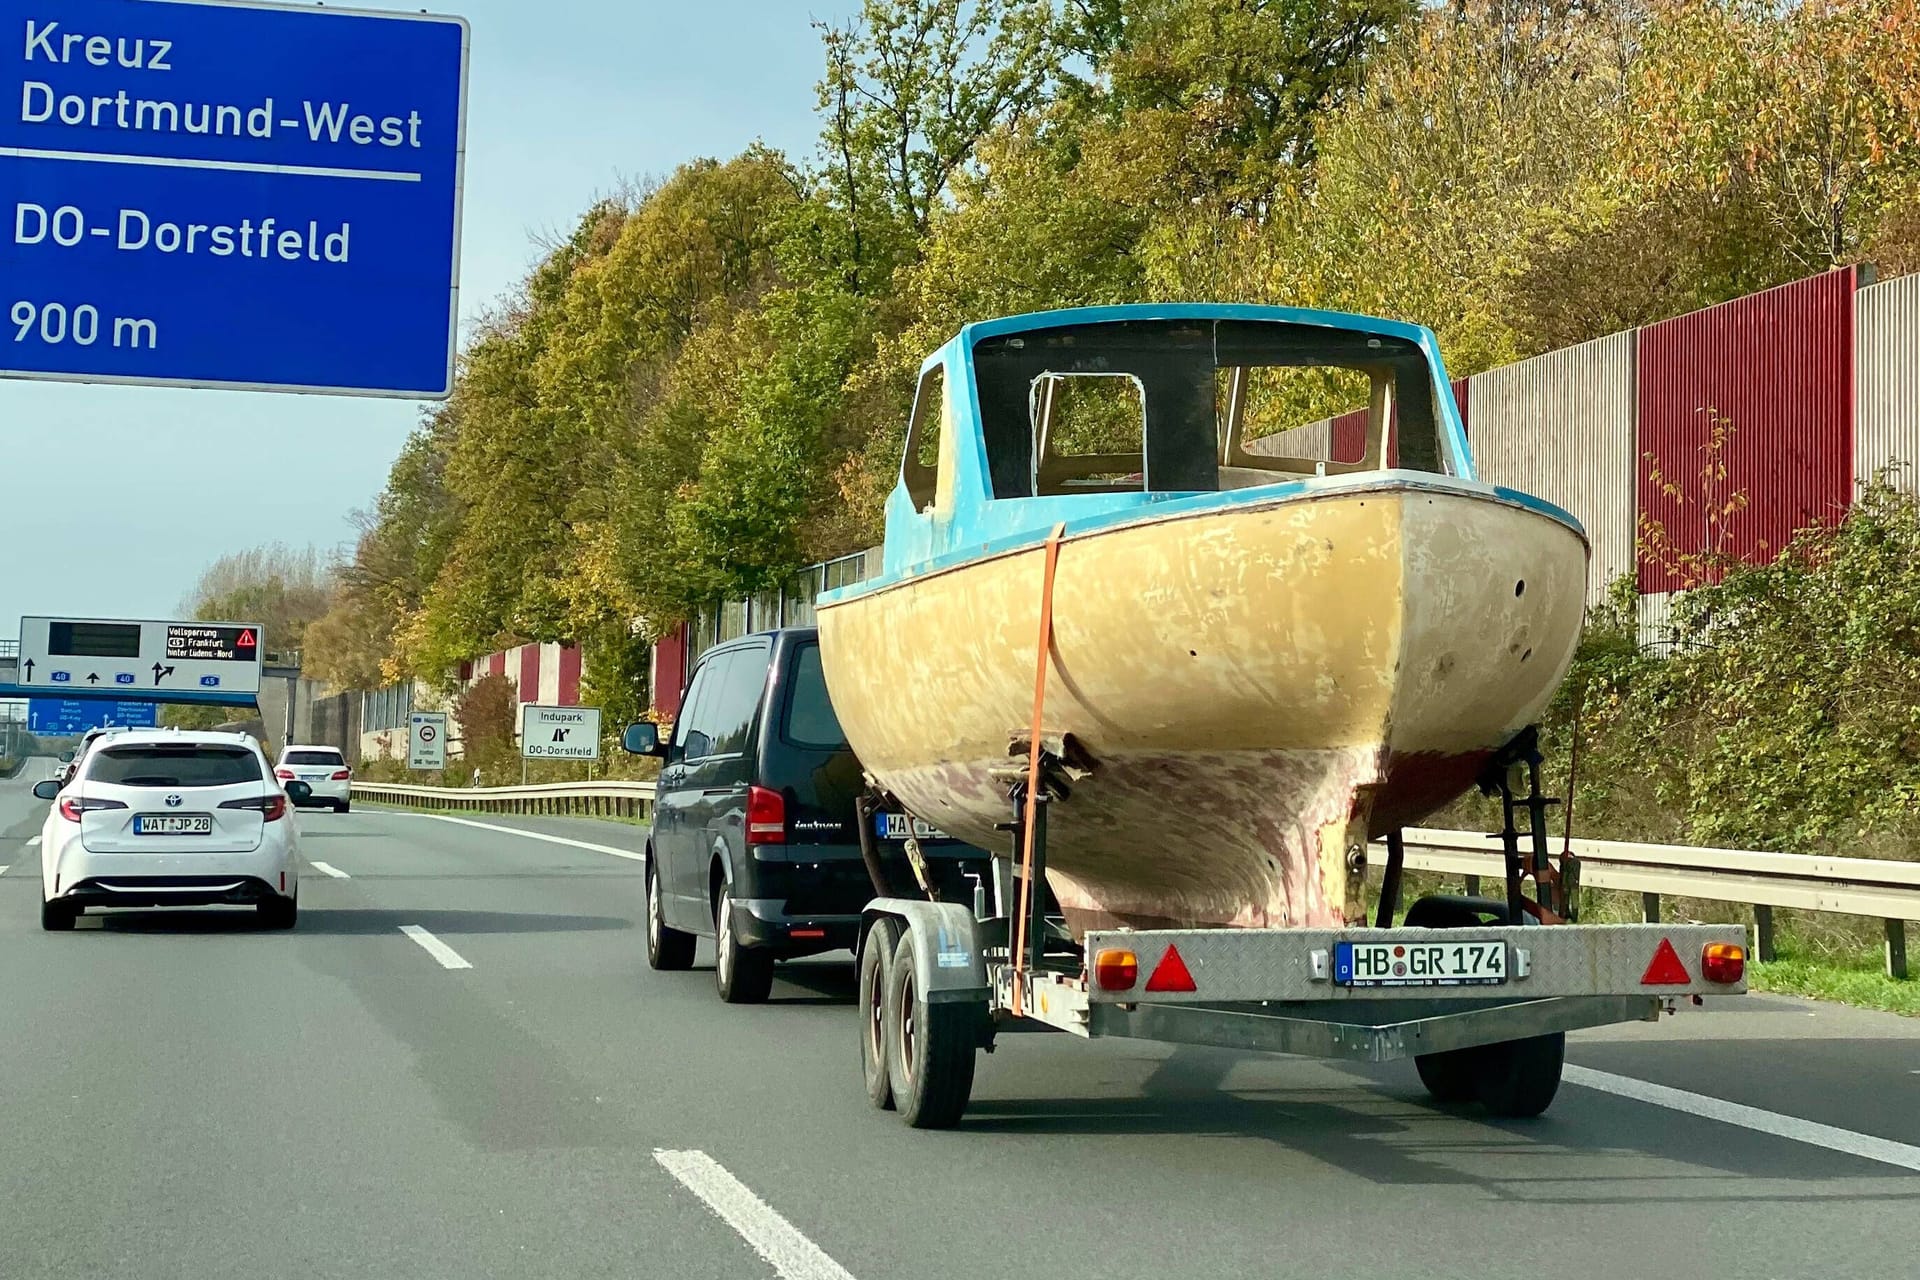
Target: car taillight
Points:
(766, 816)
(73, 806)
(342, 775)
(272, 808)
(283, 773)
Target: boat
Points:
(1262, 655)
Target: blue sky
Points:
(112, 499)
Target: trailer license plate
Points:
(898, 826)
(173, 824)
(1419, 964)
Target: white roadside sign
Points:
(427, 740)
(129, 657)
(559, 733)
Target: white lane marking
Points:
(791, 1254)
(531, 835)
(32, 842)
(328, 869)
(446, 955)
(1846, 1141)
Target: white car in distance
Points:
(323, 769)
(166, 818)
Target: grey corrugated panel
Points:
(1886, 380)
(1560, 427)
(1315, 440)
(1654, 620)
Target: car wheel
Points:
(744, 974)
(279, 913)
(56, 917)
(343, 806)
(667, 948)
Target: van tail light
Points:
(341, 775)
(1724, 962)
(1116, 970)
(766, 816)
(272, 808)
(73, 806)
(283, 773)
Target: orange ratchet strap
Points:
(1045, 651)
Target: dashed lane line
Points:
(1863, 1145)
(629, 854)
(33, 841)
(446, 955)
(328, 869)
(791, 1254)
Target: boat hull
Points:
(1257, 689)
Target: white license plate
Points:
(898, 826)
(173, 824)
(1419, 964)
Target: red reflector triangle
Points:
(1171, 973)
(1665, 969)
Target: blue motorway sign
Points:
(230, 195)
(64, 717)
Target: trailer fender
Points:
(947, 964)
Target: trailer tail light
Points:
(1171, 973)
(1116, 970)
(1724, 962)
(766, 816)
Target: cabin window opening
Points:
(1089, 433)
(920, 464)
(1208, 397)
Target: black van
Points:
(754, 841)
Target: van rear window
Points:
(173, 766)
(810, 721)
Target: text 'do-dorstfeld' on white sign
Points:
(559, 733)
(427, 740)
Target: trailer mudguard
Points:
(947, 965)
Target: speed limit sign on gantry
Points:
(427, 740)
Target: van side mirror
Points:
(46, 790)
(642, 739)
(66, 757)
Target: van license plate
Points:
(1419, 964)
(173, 824)
(898, 826)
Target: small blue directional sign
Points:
(231, 194)
(61, 717)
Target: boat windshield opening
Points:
(1199, 406)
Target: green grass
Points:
(1845, 984)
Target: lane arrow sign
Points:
(160, 672)
(93, 677)
(29, 667)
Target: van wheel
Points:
(56, 917)
(666, 948)
(930, 1048)
(743, 974)
(876, 975)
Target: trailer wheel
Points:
(930, 1047)
(876, 973)
(1518, 1078)
(1449, 1076)
(1455, 1074)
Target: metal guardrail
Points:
(605, 799)
(1870, 887)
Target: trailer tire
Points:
(930, 1047)
(1450, 1076)
(1518, 1078)
(876, 978)
(1453, 1075)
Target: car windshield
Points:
(168, 765)
(314, 757)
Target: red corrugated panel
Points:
(570, 676)
(1350, 430)
(497, 664)
(1778, 367)
(669, 674)
(529, 672)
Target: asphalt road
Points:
(183, 1095)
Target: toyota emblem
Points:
(173, 802)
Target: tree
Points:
(283, 590)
